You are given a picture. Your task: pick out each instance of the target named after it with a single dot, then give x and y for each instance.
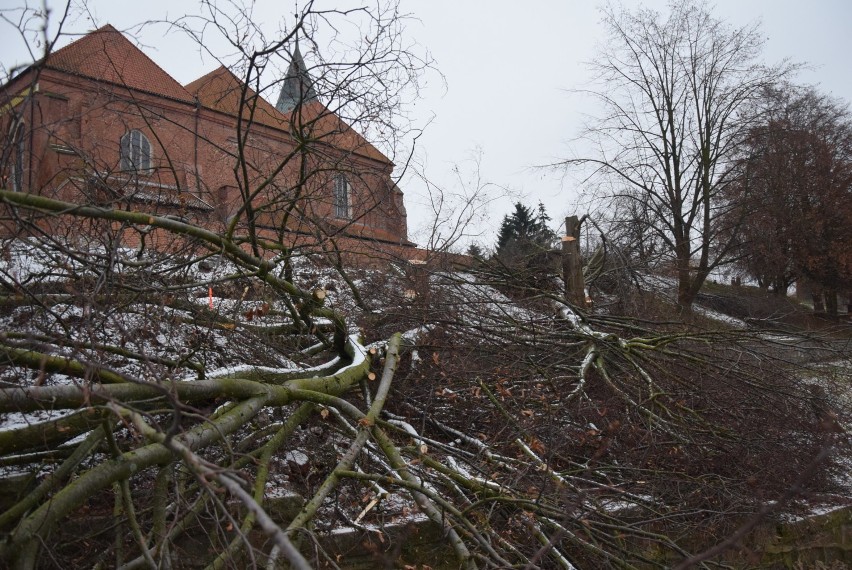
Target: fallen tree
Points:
(598, 435)
(154, 394)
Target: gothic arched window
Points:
(135, 152)
(18, 159)
(340, 198)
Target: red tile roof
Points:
(221, 90)
(106, 55)
(335, 132)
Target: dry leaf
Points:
(537, 446)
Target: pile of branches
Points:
(612, 439)
(144, 412)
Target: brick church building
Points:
(99, 122)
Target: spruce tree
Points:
(519, 226)
(524, 248)
(475, 251)
(525, 231)
(544, 235)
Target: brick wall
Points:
(74, 125)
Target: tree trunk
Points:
(830, 302)
(688, 287)
(819, 306)
(685, 295)
(572, 263)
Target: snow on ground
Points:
(296, 457)
(17, 420)
(163, 331)
(721, 317)
(158, 331)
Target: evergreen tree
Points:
(475, 251)
(524, 231)
(545, 236)
(524, 248)
(518, 226)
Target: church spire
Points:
(298, 86)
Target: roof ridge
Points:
(223, 73)
(85, 56)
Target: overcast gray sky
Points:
(510, 67)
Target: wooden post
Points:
(572, 263)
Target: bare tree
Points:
(673, 89)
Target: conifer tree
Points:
(545, 236)
(516, 226)
(524, 245)
(523, 230)
(475, 251)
